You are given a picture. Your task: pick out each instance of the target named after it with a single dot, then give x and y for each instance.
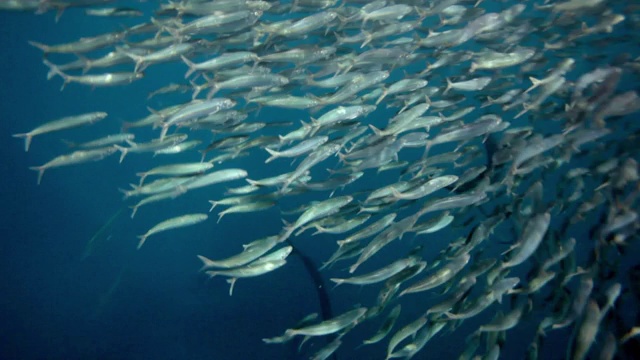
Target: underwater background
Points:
(75, 287)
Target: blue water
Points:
(120, 303)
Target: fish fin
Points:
(274, 155)
(396, 194)
(139, 60)
(377, 131)
(489, 102)
(382, 96)
(125, 192)
(86, 66)
(40, 170)
(449, 84)
(190, 64)
(134, 209)
(41, 46)
(534, 84)
(56, 71)
(142, 238)
(526, 107)
(206, 263)
(27, 140)
(69, 143)
(510, 249)
(213, 204)
(143, 176)
(367, 38)
(354, 267)
(123, 150)
(212, 92)
(252, 182)
(232, 283)
(337, 281)
(125, 126)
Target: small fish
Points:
(173, 223)
(76, 157)
(61, 124)
(330, 326)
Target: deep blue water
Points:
(120, 303)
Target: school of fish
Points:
(512, 125)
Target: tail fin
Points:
(134, 210)
(127, 193)
(69, 143)
(534, 84)
(126, 125)
(253, 182)
(377, 131)
(337, 281)
(139, 60)
(274, 155)
(142, 238)
(490, 101)
(27, 139)
(143, 175)
(206, 263)
(368, 38)
(449, 85)
(382, 96)
(190, 64)
(40, 170)
(56, 71)
(123, 150)
(45, 48)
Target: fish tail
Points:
(134, 209)
(274, 155)
(125, 192)
(382, 96)
(139, 60)
(27, 140)
(490, 101)
(534, 84)
(125, 126)
(190, 64)
(143, 175)
(376, 131)
(41, 46)
(206, 263)
(354, 267)
(123, 150)
(253, 182)
(69, 143)
(232, 283)
(142, 238)
(212, 92)
(367, 38)
(449, 85)
(51, 74)
(56, 71)
(40, 170)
